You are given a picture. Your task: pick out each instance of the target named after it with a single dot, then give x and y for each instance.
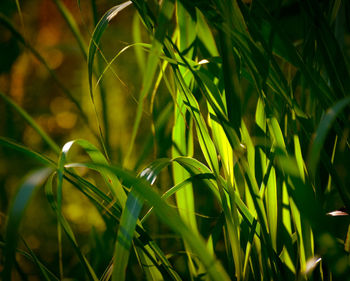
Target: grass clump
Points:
(236, 145)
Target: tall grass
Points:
(257, 102)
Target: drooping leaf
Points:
(169, 216)
(16, 213)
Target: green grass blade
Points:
(183, 137)
(321, 133)
(276, 133)
(171, 191)
(43, 270)
(19, 10)
(136, 32)
(272, 206)
(204, 139)
(298, 156)
(25, 150)
(311, 210)
(248, 250)
(106, 204)
(205, 34)
(194, 167)
(72, 26)
(166, 13)
(93, 47)
(32, 257)
(232, 85)
(109, 64)
(129, 220)
(169, 216)
(141, 239)
(160, 123)
(230, 133)
(125, 235)
(97, 157)
(31, 122)
(266, 28)
(223, 146)
(213, 91)
(16, 214)
(67, 229)
(330, 51)
(96, 37)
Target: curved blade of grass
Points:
(249, 249)
(321, 133)
(212, 90)
(271, 186)
(142, 239)
(93, 47)
(43, 270)
(136, 32)
(149, 266)
(169, 216)
(149, 250)
(146, 14)
(25, 150)
(109, 64)
(125, 236)
(258, 204)
(285, 48)
(129, 220)
(60, 171)
(223, 145)
(182, 137)
(298, 156)
(166, 12)
(96, 37)
(98, 197)
(311, 209)
(145, 47)
(19, 10)
(276, 133)
(67, 229)
(205, 34)
(205, 141)
(330, 51)
(97, 157)
(171, 191)
(290, 166)
(72, 26)
(31, 256)
(160, 123)
(194, 167)
(286, 254)
(31, 122)
(16, 214)
(230, 72)
(272, 206)
(230, 133)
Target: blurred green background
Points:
(31, 86)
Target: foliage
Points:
(249, 110)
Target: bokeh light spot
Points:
(66, 120)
